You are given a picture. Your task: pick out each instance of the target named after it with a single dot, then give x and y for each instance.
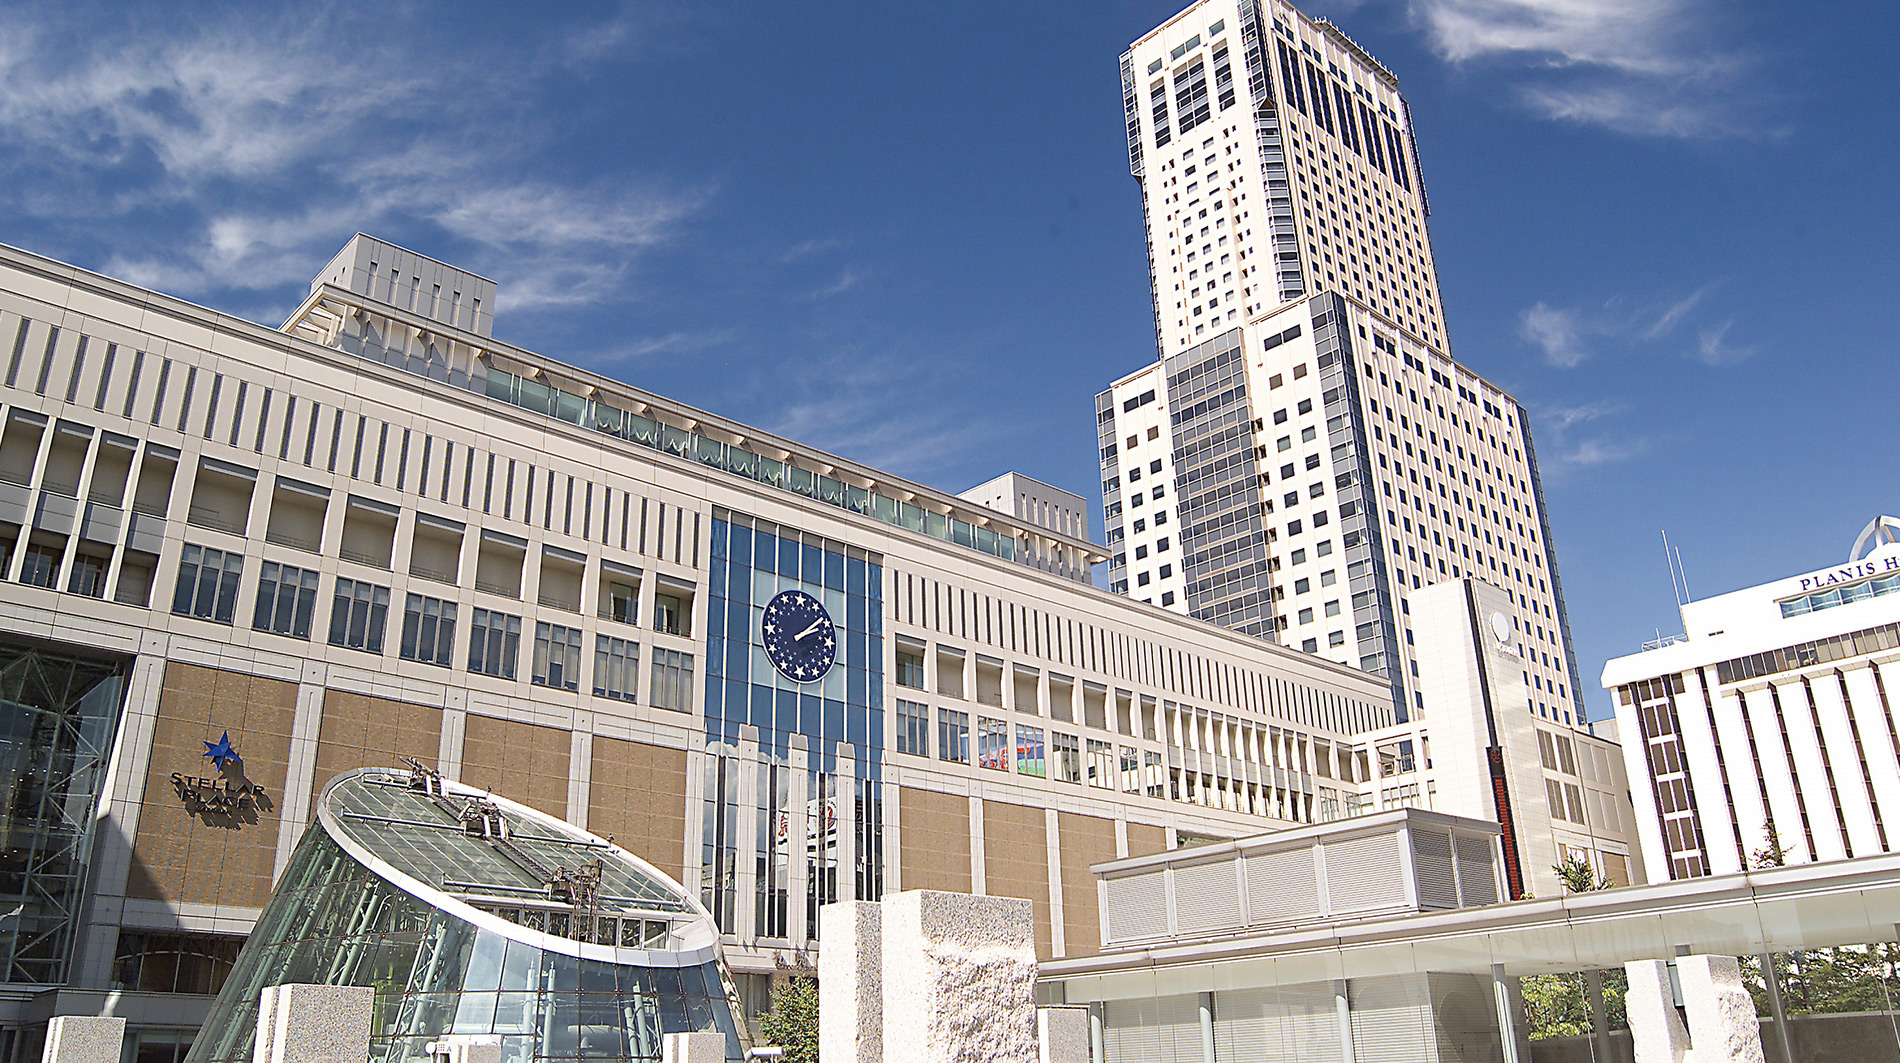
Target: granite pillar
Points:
(1062, 1034)
(1656, 1031)
(959, 978)
(693, 1048)
(84, 1039)
(1722, 1023)
(313, 1024)
(851, 982)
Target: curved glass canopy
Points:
(471, 914)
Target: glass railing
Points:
(691, 446)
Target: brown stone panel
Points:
(1086, 841)
(934, 828)
(638, 795)
(1146, 840)
(1016, 862)
(524, 762)
(361, 731)
(182, 854)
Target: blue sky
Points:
(907, 234)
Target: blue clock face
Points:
(799, 637)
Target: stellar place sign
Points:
(223, 794)
(202, 793)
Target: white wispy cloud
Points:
(1675, 312)
(1604, 451)
(1713, 348)
(1555, 330)
(1574, 436)
(1641, 67)
(270, 143)
(845, 403)
(1570, 336)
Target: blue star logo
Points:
(222, 751)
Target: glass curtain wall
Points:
(58, 712)
(837, 722)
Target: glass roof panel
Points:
(423, 837)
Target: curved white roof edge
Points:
(1881, 531)
(699, 942)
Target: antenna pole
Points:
(1676, 584)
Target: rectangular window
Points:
(1101, 764)
(428, 629)
(88, 577)
(1067, 753)
(358, 615)
(40, 567)
(286, 598)
(910, 666)
(953, 736)
(913, 727)
(1029, 752)
(557, 657)
(667, 614)
(672, 686)
(1190, 96)
(208, 584)
(616, 668)
(493, 644)
(1158, 95)
(623, 603)
(992, 743)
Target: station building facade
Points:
(240, 561)
(1765, 732)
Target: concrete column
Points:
(1776, 1006)
(1656, 1031)
(1207, 1028)
(960, 977)
(1506, 992)
(1098, 1034)
(313, 1023)
(851, 982)
(1721, 1012)
(1342, 1006)
(1599, 1021)
(1062, 1034)
(87, 1039)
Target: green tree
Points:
(1772, 853)
(792, 1022)
(1556, 1005)
(1577, 875)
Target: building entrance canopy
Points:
(1774, 910)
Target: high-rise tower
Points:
(1305, 452)
(1276, 160)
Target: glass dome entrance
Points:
(397, 886)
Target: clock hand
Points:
(815, 625)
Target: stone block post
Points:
(466, 1048)
(1722, 1022)
(1656, 1030)
(84, 1039)
(851, 982)
(1062, 1034)
(313, 1024)
(693, 1048)
(959, 978)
